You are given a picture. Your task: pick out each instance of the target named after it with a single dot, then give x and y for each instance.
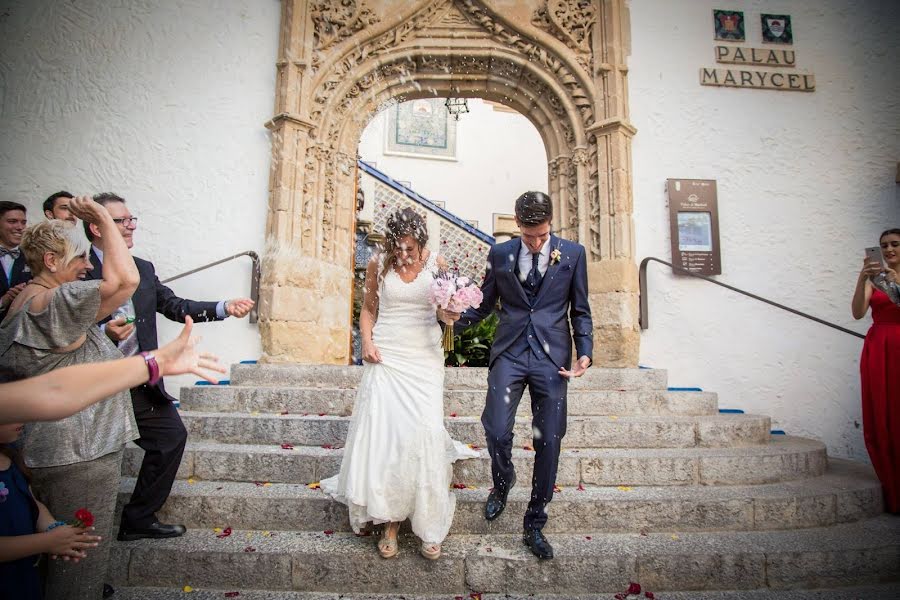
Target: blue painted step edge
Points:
(685, 389)
(777, 432)
(248, 362)
(204, 382)
(731, 411)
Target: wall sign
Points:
(694, 223)
(776, 29)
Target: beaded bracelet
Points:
(55, 525)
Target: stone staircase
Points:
(655, 487)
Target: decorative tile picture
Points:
(729, 25)
(421, 128)
(776, 29)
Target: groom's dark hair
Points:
(534, 208)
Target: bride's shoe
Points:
(431, 551)
(388, 546)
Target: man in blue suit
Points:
(541, 283)
(15, 272)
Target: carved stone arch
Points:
(558, 62)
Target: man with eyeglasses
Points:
(163, 435)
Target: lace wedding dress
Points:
(398, 456)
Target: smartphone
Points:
(874, 254)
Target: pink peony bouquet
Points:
(455, 294)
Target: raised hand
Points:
(239, 307)
(180, 356)
(87, 210)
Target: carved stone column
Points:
(306, 287)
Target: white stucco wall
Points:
(499, 155)
(163, 102)
(805, 182)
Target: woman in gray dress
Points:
(52, 324)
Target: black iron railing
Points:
(254, 278)
(645, 292)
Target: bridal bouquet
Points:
(455, 294)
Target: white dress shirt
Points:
(525, 260)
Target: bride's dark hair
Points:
(402, 223)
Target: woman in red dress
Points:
(880, 366)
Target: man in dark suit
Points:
(541, 283)
(15, 272)
(163, 435)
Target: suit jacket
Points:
(20, 273)
(153, 297)
(561, 300)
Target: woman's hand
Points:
(180, 356)
(87, 210)
(370, 353)
(890, 274)
(447, 316)
(70, 542)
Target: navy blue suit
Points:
(163, 435)
(538, 324)
(20, 273)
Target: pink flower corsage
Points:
(555, 256)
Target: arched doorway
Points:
(561, 64)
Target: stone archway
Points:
(560, 63)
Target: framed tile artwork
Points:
(421, 129)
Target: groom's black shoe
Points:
(537, 543)
(156, 530)
(496, 501)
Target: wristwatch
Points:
(152, 367)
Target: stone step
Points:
(890, 591)
(329, 376)
(726, 430)
(784, 458)
(847, 492)
(865, 552)
(339, 401)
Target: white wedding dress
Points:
(398, 456)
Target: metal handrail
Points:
(254, 278)
(645, 308)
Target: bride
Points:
(398, 456)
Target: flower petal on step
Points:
(557, 489)
(624, 488)
(527, 447)
(187, 589)
(580, 487)
(225, 533)
(634, 588)
(313, 486)
(287, 446)
(191, 481)
(232, 594)
(328, 532)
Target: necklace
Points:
(40, 284)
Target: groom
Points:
(541, 282)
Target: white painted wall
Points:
(163, 102)
(805, 182)
(499, 155)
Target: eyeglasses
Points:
(126, 221)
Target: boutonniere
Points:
(555, 256)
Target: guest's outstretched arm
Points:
(64, 392)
